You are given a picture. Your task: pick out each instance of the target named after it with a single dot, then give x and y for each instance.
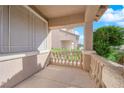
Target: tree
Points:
(106, 38)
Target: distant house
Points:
(64, 38)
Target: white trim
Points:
(30, 9)
(5, 57)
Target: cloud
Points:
(120, 23)
(113, 15)
(76, 32)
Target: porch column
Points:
(88, 45)
(88, 36)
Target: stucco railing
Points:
(66, 58)
(106, 73)
(96, 68)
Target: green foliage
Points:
(68, 54)
(64, 49)
(105, 38)
(113, 55)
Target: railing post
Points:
(87, 59)
(81, 61)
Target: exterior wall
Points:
(17, 67)
(24, 37)
(66, 44)
(59, 36)
(21, 30)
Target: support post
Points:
(88, 36)
(88, 45)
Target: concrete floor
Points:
(59, 77)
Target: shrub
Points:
(105, 39)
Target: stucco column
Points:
(88, 36)
(88, 45)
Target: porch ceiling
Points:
(56, 11)
(69, 15)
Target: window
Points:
(21, 30)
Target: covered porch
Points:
(47, 69)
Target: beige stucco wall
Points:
(16, 68)
(59, 36)
(67, 44)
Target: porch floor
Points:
(59, 77)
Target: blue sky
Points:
(114, 15)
